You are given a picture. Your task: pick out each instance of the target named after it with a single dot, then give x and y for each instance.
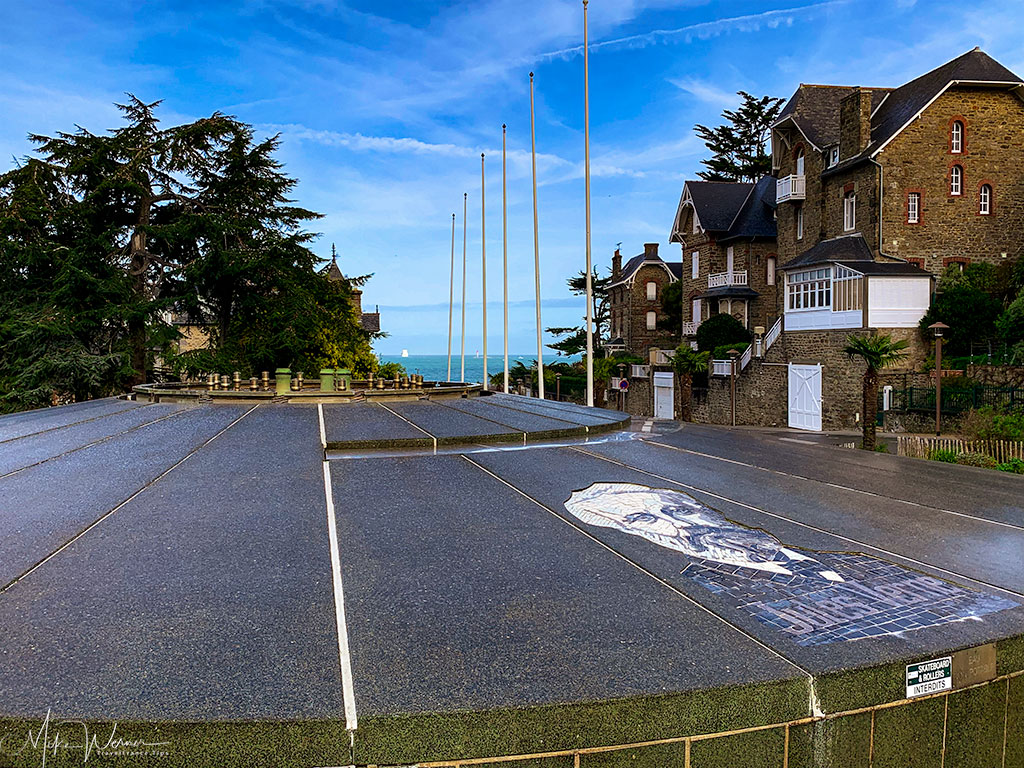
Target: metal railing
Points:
(720, 279)
(954, 400)
(745, 357)
(790, 188)
(773, 334)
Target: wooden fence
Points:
(922, 447)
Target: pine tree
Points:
(738, 146)
(574, 339)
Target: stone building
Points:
(727, 233)
(878, 191)
(635, 301)
(369, 320)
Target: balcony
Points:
(790, 188)
(721, 279)
(689, 328)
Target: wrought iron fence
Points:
(954, 400)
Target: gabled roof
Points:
(852, 251)
(756, 217)
(717, 202)
(630, 268)
(904, 103)
(814, 109)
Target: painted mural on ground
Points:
(824, 598)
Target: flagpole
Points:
(483, 263)
(451, 301)
(465, 197)
(536, 246)
(586, 161)
(504, 246)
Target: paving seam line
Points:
(529, 413)
(72, 424)
(776, 515)
(108, 514)
(415, 426)
(835, 485)
(484, 418)
(652, 575)
(554, 409)
(94, 442)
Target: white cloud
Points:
(706, 91)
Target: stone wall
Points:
(919, 160)
(997, 375)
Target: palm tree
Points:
(685, 362)
(877, 352)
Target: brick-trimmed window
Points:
(956, 180)
(957, 136)
(960, 261)
(917, 262)
(986, 200)
(849, 212)
(914, 200)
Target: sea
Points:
(435, 367)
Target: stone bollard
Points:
(282, 380)
(342, 383)
(254, 384)
(343, 377)
(211, 382)
(380, 383)
(299, 377)
(327, 380)
(369, 380)
(266, 380)
(236, 380)
(225, 382)
(405, 382)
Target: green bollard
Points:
(327, 380)
(283, 377)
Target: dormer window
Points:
(832, 157)
(956, 137)
(956, 180)
(800, 162)
(985, 199)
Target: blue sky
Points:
(384, 108)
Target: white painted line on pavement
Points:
(347, 689)
(417, 426)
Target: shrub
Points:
(988, 423)
(973, 459)
(881, 448)
(721, 329)
(721, 352)
(1013, 465)
(943, 454)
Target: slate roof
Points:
(756, 217)
(333, 271)
(851, 251)
(630, 267)
(718, 202)
(728, 292)
(370, 321)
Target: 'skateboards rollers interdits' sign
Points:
(824, 598)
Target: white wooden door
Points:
(664, 402)
(805, 396)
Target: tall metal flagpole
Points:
(451, 302)
(504, 246)
(536, 248)
(586, 161)
(465, 197)
(483, 263)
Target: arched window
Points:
(800, 162)
(956, 180)
(985, 199)
(956, 137)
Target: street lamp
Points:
(622, 393)
(733, 354)
(558, 386)
(938, 329)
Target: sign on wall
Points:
(930, 677)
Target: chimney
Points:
(650, 250)
(854, 123)
(616, 265)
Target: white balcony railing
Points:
(773, 334)
(720, 279)
(690, 329)
(790, 188)
(721, 367)
(640, 371)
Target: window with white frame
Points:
(799, 222)
(985, 199)
(847, 290)
(956, 180)
(769, 276)
(913, 207)
(809, 289)
(652, 290)
(800, 162)
(652, 321)
(956, 138)
(832, 157)
(695, 265)
(850, 212)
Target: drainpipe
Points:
(881, 194)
